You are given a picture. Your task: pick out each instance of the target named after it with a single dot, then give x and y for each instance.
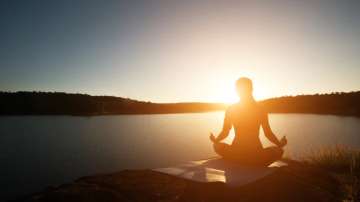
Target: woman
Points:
(246, 117)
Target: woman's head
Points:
(244, 88)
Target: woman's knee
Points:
(276, 152)
(279, 152)
(220, 148)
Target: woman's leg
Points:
(271, 154)
(261, 158)
(222, 149)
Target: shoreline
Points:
(169, 113)
(58, 103)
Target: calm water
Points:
(36, 151)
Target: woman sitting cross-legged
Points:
(246, 117)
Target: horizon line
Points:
(184, 102)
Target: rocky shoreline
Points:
(289, 183)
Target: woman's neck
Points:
(248, 100)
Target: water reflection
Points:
(36, 151)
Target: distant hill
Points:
(347, 104)
(57, 103)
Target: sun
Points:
(229, 96)
(225, 91)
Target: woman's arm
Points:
(269, 134)
(225, 130)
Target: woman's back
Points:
(246, 120)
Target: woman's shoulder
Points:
(231, 109)
(238, 107)
(261, 109)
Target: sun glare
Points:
(229, 96)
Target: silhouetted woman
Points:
(246, 117)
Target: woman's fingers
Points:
(212, 137)
(283, 141)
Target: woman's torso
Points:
(246, 120)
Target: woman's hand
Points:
(212, 138)
(282, 142)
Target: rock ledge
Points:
(290, 183)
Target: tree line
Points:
(58, 103)
(342, 103)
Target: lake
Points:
(37, 151)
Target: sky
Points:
(180, 51)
